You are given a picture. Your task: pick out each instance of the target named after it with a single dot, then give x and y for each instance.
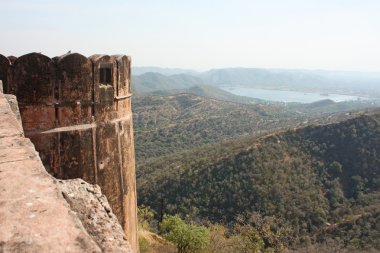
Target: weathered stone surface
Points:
(77, 113)
(9, 125)
(123, 76)
(12, 59)
(34, 217)
(74, 91)
(32, 81)
(12, 101)
(95, 213)
(104, 89)
(4, 66)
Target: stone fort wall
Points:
(77, 112)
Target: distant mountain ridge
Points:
(303, 80)
(293, 79)
(162, 71)
(151, 82)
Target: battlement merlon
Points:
(84, 89)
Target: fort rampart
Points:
(77, 112)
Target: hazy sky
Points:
(200, 34)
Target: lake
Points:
(288, 96)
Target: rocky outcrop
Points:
(41, 214)
(93, 209)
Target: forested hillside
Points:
(151, 82)
(211, 92)
(320, 182)
(167, 124)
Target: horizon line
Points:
(261, 68)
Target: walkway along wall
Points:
(77, 112)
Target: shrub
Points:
(188, 238)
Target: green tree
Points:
(145, 217)
(335, 169)
(251, 241)
(188, 238)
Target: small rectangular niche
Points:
(105, 73)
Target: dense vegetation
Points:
(188, 238)
(151, 82)
(320, 183)
(164, 125)
(168, 124)
(212, 92)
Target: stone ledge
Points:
(34, 217)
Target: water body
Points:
(288, 96)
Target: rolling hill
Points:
(167, 124)
(151, 82)
(322, 181)
(210, 92)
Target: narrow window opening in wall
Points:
(56, 115)
(105, 73)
